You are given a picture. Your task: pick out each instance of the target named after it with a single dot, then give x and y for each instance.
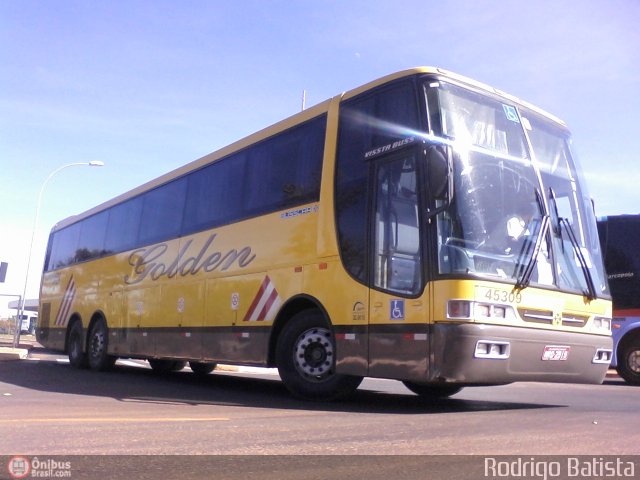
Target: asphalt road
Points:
(49, 408)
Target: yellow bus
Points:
(423, 227)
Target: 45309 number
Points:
(504, 296)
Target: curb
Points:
(8, 353)
(242, 369)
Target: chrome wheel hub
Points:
(314, 354)
(97, 344)
(634, 361)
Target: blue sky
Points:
(146, 86)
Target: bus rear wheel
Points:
(432, 392)
(75, 347)
(97, 351)
(163, 365)
(202, 368)
(629, 360)
(305, 355)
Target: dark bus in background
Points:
(620, 241)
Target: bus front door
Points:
(398, 343)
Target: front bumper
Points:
(518, 356)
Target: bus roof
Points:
(289, 122)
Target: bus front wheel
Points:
(432, 392)
(99, 359)
(629, 360)
(305, 355)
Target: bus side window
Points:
(367, 122)
(162, 210)
(397, 239)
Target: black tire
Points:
(432, 392)
(164, 365)
(629, 360)
(97, 348)
(75, 347)
(202, 368)
(305, 355)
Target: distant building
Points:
(29, 315)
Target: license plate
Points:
(555, 353)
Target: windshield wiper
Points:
(591, 289)
(525, 270)
(564, 225)
(531, 250)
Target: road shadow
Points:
(617, 381)
(142, 385)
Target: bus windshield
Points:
(518, 204)
(575, 236)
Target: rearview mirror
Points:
(438, 172)
(440, 176)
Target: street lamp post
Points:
(94, 163)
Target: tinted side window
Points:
(366, 123)
(620, 245)
(215, 194)
(123, 225)
(64, 246)
(285, 170)
(162, 212)
(280, 172)
(92, 234)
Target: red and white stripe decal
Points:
(345, 336)
(67, 301)
(265, 304)
(415, 336)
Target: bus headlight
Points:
(469, 310)
(459, 309)
(602, 323)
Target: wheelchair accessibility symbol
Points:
(396, 310)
